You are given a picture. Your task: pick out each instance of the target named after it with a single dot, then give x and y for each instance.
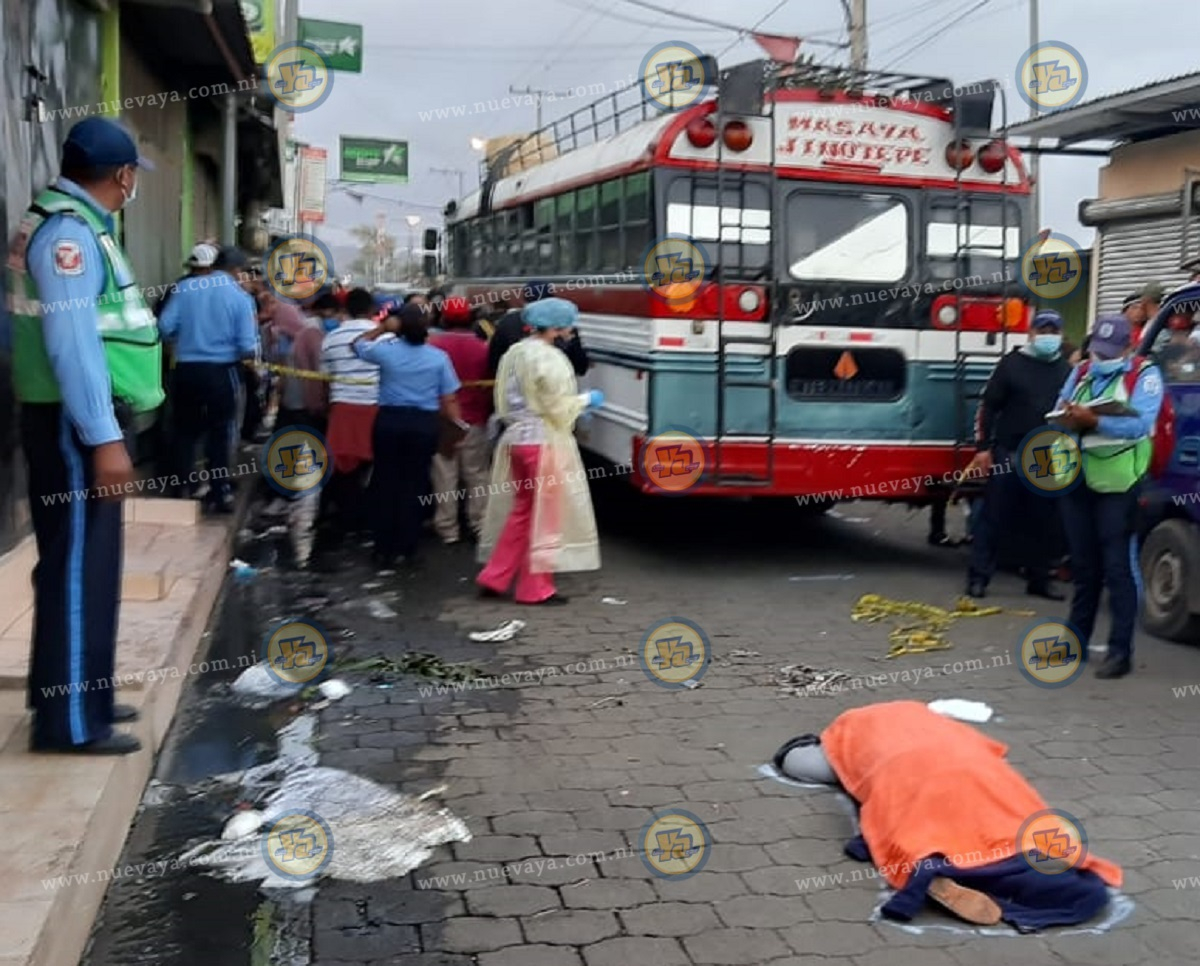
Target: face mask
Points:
(1047, 345)
(1106, 367)
(131, 197)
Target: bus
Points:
(797, 285)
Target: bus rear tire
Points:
(1170, 563)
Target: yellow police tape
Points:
(281, 370)
(925, 625)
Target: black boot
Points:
(1114, 666)
(976, 588)
(1045, 589)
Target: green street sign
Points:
(341, 44)
(372, 160)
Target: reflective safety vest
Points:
(127, 327)
(1111, 464)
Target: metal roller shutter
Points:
(1133, 253)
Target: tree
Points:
(376, 260)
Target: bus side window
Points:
(610, 225)
(637, 218)
(585, 226)
(543, 227)
(564, 218)
(483, 251)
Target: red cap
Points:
(1179, 323)
(456, 309)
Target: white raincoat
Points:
(537, 397)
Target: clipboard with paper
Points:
(1101, 407)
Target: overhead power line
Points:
(929, 38)
(692, 18)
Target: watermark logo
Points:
(298, 77)
(675, 75)
(1052, 841)
(675, 845)
(675, 653)
(1050, 462)
(673, 461)
(1051, 267)
(673, 269)
(298, 845)
(297, 652)
(1051, 76)
(1050, 654)
(296, 460)
(298, 267)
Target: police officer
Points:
(86, 358)
(1020, 392)
(213, 326)
(1099, 513)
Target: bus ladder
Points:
(731, 185)
(965, 251)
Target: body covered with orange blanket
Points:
(931, 786)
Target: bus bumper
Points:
(834, 471)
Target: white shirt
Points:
(339, 359)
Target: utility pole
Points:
(539, 94)
(856, 17)
(1035, 193)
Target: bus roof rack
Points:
(627, 106)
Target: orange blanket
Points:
(928, 785)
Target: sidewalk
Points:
(69, 815)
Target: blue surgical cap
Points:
(551, 313)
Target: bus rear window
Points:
(847, 238)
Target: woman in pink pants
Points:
(539, 517)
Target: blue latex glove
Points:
(596, 399)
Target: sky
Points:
(422, 58)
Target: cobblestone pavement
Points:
(556, 779)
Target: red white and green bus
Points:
(847, 246)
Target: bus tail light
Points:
(701, 132)
(742, 303)
(993, 156)
(737, 135)
(959, 155)
(980, 314)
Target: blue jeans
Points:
(1101, 533)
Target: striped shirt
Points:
(339, 359)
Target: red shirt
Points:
(469, 355)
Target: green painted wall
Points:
(188, 174)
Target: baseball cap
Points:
(203, 256)
(456, 309)
(1131, 300)
(1153, 291)
(1191, 265)
(1045, 318)
(1110, 336)
(97, 142)
(230, 256)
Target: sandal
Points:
(970, 905)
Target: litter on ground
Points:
(334, 690)
(615, 601)
(921, 626)
(505, 632)
(960, 709)
(803, 680)
(368, 832)
(380, 611)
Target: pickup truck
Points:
(1169, 521)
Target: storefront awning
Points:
(217, 50)
(1153, 110)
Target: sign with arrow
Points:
(341, 44)
(374, 160)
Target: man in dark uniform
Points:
(1020, 392)
(511, 329)
(86, 359)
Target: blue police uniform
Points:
(213, 325)
(1101, 526)
(77, 579)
